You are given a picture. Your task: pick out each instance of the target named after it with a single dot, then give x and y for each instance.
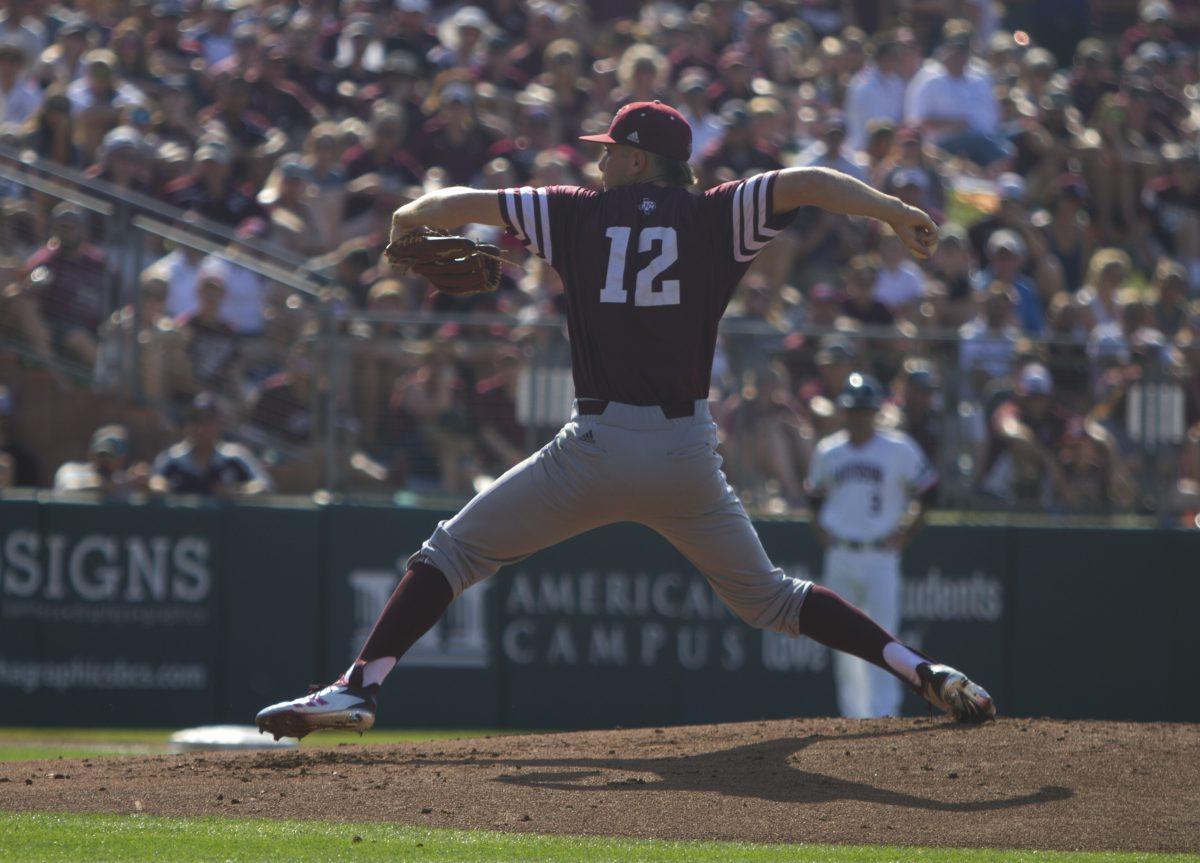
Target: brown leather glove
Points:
(453, 264)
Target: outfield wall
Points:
(169, 614)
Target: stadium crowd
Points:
(1046, 357)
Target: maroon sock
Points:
(417, 603)
(827, 618)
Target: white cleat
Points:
(337, 707)
(952, 691)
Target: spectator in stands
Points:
(832, 151)
(212, 343)
(72, 290)
(204, 463)
(210, 189)
(1172, 204)
(953, 102)
(987, 344)
(861, 303)
(20, 99)
(1005, 254)
(1067, 229)
(877, 91)
(140, 336)
(107, 469)
(51, 131)
(1171, 311)
(1028, 435)
(952, 271)
(22, 464)
(735, 154)
(1108, 269)
(764, 440)
(899, 282)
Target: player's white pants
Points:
(871, 581)
(630, 463)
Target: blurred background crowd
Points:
(194, 197)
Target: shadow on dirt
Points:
(772, 770)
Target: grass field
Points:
(31, 744)
(43, 838)
(101, 838)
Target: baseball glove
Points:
(453, 264)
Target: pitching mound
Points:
(1016, 783)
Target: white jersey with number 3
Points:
(867, 488)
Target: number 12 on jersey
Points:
(644, 293)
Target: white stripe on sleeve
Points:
(544, 211)
(514, 215)
(527, 205)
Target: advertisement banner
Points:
(109, 610)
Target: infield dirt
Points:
(1020, 783)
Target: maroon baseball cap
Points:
(650, 126)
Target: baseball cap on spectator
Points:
(204, 405)
(1034, 380)
(120, 138)
(1156, 11)
(650, 126)
(734, 114)
(213, 269)
(418, 6)
(1055, 97)
(834, 349)
(357, 27)
(74, 25)
(111, 439)
(694, 79)
(12, 49)
(956, 37)
(457, 92)
(1040, 59)
(910, 177)
(167, 9)
(920, 374)
(214, 151)
(292, 167)
(1071, 186)
(1106, 345)
(466, 18)
(731, 58)
(835, 121)
(1152, 52)
(952, 232)
(1010, 187)
(66, 210)
(1005, 240)
(401, 63)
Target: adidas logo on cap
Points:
(633, 136)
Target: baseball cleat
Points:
(954, 692)
(337, 707)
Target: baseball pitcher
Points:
(866, 485)
(648, 268)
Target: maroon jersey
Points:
(648, 271)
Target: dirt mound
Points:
(1016, 783)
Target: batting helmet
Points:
(861, 392)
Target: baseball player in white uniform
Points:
(866, 484)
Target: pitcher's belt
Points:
(671, 410)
